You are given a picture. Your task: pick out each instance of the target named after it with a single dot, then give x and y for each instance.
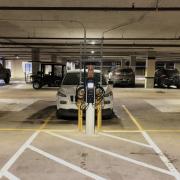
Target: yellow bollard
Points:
(80, 117)
(99, 117)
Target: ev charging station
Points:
(89, 98)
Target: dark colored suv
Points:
(167, 78)
(5, 74)
(123, 77)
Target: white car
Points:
(66, 102)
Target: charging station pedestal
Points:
(90, 120)
(90, 111)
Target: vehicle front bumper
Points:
(106, 113)
(123, 82)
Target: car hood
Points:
(68, 89)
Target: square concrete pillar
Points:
(133, 63)
(150, 71)
(35, 60)
(177, 66)
(123, 63)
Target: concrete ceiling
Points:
(23, 29)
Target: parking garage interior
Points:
(140, 140)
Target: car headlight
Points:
(108, 94)
(61, 94)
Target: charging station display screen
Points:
(90, 85)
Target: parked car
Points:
(5, 74)
(123, 77)
(167, 77)
(51, 74)
(66, 95)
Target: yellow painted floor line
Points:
(16, 129)
(133, 119)
(45, 122)
(172, 169)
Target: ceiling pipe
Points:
(52, 20)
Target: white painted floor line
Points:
(65, 163)
(113, 154)
(126, 140)
(10, 176)
(146, 136)
(11, 161)
(164, 159)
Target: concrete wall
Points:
(16, 69)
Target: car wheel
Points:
(36, 85)
(178, 86)
(7, 80)
(133, 85)
(58, 115)
(162, 83)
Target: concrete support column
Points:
(150, 71)
(133, 63)
(35, 60)
(177, 66)
(123, 63)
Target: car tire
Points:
(7, 80)
(178, 86)
(133, 85)
(36, 85)
(58, 116)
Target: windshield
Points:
(74, 78)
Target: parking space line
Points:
(113, 154)
(126, 140)
(105, 131)
(6, 167)
(10, 176)
(27, 129)
(147, 130)
(65, 163)
(17, 154)
(161, 155)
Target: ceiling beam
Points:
(73, 8)
(78, 45)
(90, 39)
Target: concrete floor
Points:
(141, 142)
